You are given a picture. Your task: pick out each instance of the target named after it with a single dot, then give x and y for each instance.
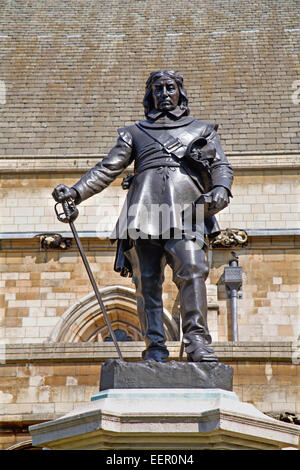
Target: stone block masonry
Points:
(263, 199)
(41, 382)
(37, 287)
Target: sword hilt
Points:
(69, 214)
(70, 211)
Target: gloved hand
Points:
(62, 192)
(220, 198)
(215, 200)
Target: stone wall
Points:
(42, 382)
(39, 286)
(266, 198)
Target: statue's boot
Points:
(190, 271)
(158, 354)
(148, 262)
(198, 351)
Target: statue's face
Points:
(165, 93)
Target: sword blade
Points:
(95, 287)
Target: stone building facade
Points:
(71, 73)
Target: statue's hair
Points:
(148, 99)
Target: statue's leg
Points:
(190, 270)
(148, 262)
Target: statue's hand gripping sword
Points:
(69, 214)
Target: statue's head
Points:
(165, 91)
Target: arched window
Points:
(24, 445)
(120, 335)
(85, 322)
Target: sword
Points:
(69, 214)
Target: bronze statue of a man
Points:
(178, 164)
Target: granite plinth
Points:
(132, 419)
(117, 374)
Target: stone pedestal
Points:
(165, 418)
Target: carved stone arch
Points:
(84, 321)
(24, 445)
